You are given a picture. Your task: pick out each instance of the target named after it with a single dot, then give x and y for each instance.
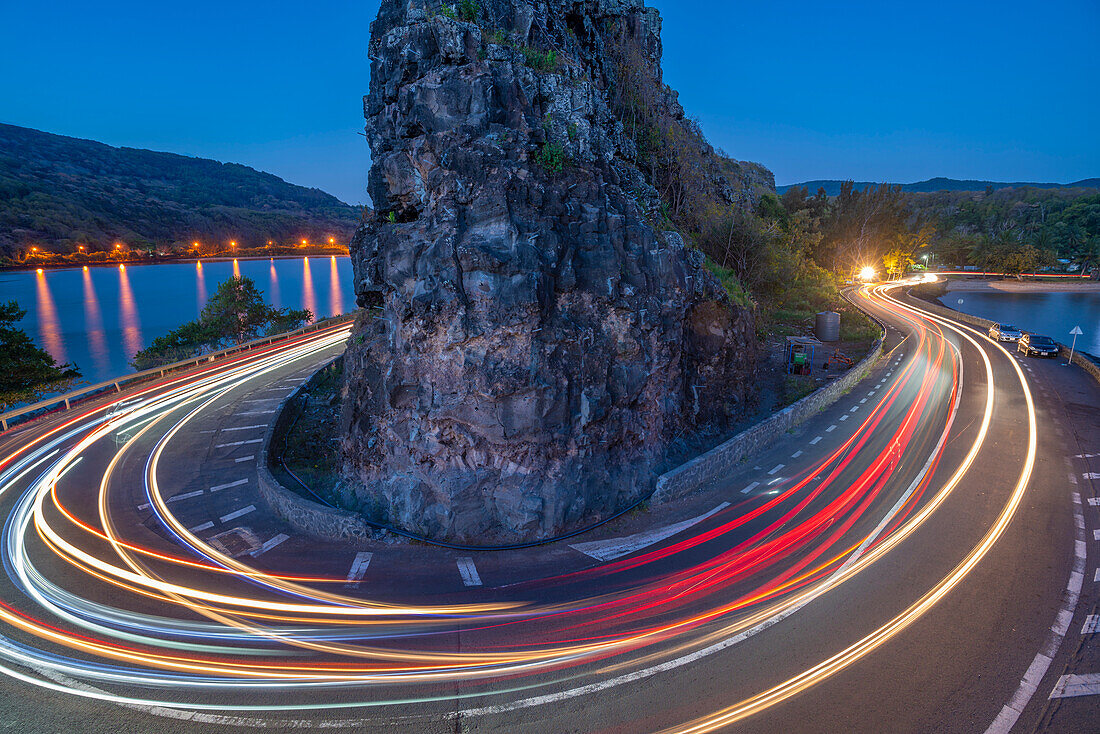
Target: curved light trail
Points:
(231, 636)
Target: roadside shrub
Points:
(538, 60)
(468, 10)
(551, 157)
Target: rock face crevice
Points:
(534, 343)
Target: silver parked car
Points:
(1041, 346)
(1005, 333)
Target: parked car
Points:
(1042, 346)
(1005, 333)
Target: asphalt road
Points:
(919, 557)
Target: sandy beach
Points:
(1025, 286)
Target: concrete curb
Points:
(1081, 359)
(305, 516)
(721, 460)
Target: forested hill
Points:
(58, 192)
(932, 185)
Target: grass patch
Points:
(729, 281)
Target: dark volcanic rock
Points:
(534, 342)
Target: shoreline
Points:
(163, 261)
(1026, 286)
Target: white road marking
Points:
(1077, 685)
(854, 409)
(776, 469)
(269, 545)
(237, 443)
(200, 528)
(831, 428)
(861, 402)
(815, 441)
(1072, 479)
(238, 513)
(1091, 475)
(871, 394)
(261, 400)
(844, 417)
(468, 571)
(358, 569)
(220, 487)
(184, 496)
(750, 488)
(255, 412)
(1092, 624)
(244, 428)
(796, 454)
(250, 457)
(1095, 534)
(1094, 501)
(1085, 456)
(606, 550)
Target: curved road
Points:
(915, 558)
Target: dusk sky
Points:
(869, 91)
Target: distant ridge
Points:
(59, 193)
(832, 187)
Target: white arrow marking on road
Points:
(607, 550)
(358, 569)
(1077, 685)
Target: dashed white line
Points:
(1096, 534)
(844, 417)
(1091, 475)
(238, 513)
(815, 441)
(776, 469)
(200, 528)
(220, 487)
(468, 571)
(1077, 685)
(1094, 501)
(861, 402)
(831, 428)
(854, 409)
(1092, 624)
(796, 454)
(250, 457)
(269, 545)
(255, 412)
(750, 488)
(237, 443)
(358, 569)
(244, 428)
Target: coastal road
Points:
(918, 557)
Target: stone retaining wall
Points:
(305, 516)
(721, 460)
(1084, 360)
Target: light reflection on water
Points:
(98, 317)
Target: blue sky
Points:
(870, 91)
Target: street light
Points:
(867, 274)
(332, 240)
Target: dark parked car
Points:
(1042, 346)
(1005, 333)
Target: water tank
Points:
(827, 328)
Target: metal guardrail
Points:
(27, 412)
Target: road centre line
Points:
(238, 513)
(1091, 475)
(830, 428)
(244, 428)
(796, 454)
(250, 457)
(854, 409)
(237, 443)
(200, 528)
(844, 417)
(237, 483)
(1092, 624)
(815, 441)
(776, 469)
(269, 545)
(750, 488)
(1094, 501)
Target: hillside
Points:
(58, 192)
(932, 185)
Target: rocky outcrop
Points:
(534, 342)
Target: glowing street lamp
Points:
(332, 240)
(80, 247)
(867, 274)
(305, 242)
(34, 249)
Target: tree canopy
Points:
(26, 370)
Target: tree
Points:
(26, 370)
(237, 310)
(234, 314)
